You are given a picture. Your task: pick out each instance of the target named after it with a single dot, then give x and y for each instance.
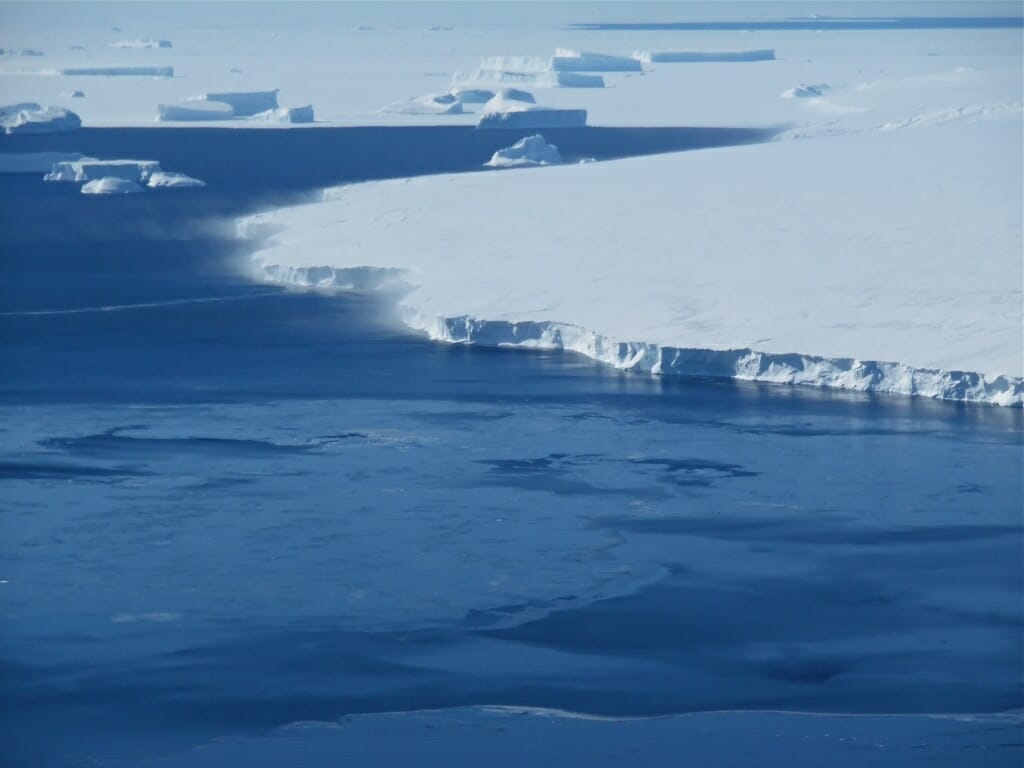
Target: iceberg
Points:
(91, 170)
(531, 150)
(168, 180)
(472, 95)
(294, 115)
(142, 44)
(29, 117)
(581, 61)
(244, 103)
(194, 111)
(700, 57)
(507, 113)
(804, 91)
(110, 185)
(118, 71)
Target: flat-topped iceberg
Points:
(581, 61)
(538, 78)
(29, 117)
(702, 57)
(243, 103)
(110, 185)
(292, 115)
(472, 95)
(510, 113)
(530, 150)
(90, 169)
(194, 111)
(129, 71)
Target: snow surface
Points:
(110, 185)
(782, 262)
(167, 179)
(29, 117)
(530, 150)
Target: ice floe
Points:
(110, 185)
(29, 117)
(530, 150)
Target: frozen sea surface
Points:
(230, 509)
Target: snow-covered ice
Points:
(110, 185)
(566, 60)
(781, 262)
(430, 104)
(530, 150)
(29, 117)
(293, 115)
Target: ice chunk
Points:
(472, 95)
(142, 44)
(431, 104)
(507, 113)
(191, 111)
(804, 91)
(92, 170)
(119, 71)
(29, 117)
(581, 61)
(23, 52)
(35, 162)
(697, 57)
(110, 185)
(73, 94)
(168, 179)
(531, 150)
(245, 103)
(295, 115)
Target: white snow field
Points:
(886, 261)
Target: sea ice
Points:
(167, 179)
(110, 185)
(29, 117)
(531, 150)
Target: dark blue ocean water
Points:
(227, 507)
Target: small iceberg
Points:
(509, 113)
(110, 185)
(293, 115)
(194, 111)
(142, 44)
(93, 170)
(804, 91)
(168, 180)
(431, 104)
(531, 150)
